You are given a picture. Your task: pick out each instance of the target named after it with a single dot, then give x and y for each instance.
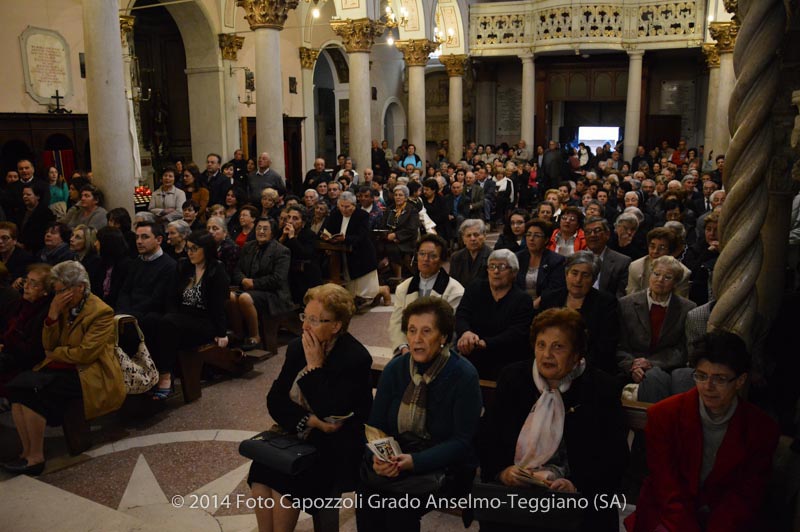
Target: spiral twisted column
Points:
(756, 65)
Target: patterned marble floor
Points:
(177, 470)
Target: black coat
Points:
(594, 433)
(215, 293)
(304, 270)
(551, 271)
(361, 257)
(510, 243)
(406, 227)
(600, 311)
(268, 267)
(437, 211)
(31, 233)
(342, 385)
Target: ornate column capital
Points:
(230, 44)
(454, 64)
(126, 27)
(725, 34)
(712, 55)
(359, 34)
(266, 13)
(416, 51)
(308, 56)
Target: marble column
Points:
(266, 19)
(712, 62)
(358, 36)
(725, 34)
(485, 92)
(633, 105)
(415, 53)
(308, 58)
(230, 44)
(126, 23)
(528, 111)
(455, 64)
(109, 131)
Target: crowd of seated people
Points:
(587, 291)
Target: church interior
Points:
(124, 88)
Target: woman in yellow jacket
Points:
(80, 363)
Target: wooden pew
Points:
(191, 364)
(271, 326)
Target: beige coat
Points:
(89, 344)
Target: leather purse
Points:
(281, 452)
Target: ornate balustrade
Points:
(550, 25)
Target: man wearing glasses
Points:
(429, 280)
(709, 452)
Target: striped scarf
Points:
(413, 407)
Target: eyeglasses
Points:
(716, 380)
(569, 218)
(5, 238)
(595, 231)
(192, 248)
(262, 229)
(664, 276)
(32, 283)
(498, 267)
(313, 320)
(427, 255)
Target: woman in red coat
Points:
(709, 453)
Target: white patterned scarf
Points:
(541, 434)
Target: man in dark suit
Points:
(489, 193)
(316, 175)
(457, 205)
(552, 167)
(473, 192)
(702, 205)
(613, 276)
(212, 173)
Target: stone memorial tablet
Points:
(46, 64)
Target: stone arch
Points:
(393, 121)
(331, 84)
(204, 74)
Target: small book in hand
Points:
(383, 446)
(531, 477)
(339, 419)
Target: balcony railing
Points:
(552, 25)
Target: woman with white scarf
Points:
(557, 420)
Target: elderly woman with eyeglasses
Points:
(326, 373)
(402, 222)
(652, 322)
(709, 451)
(78, 339)
(556, 425)
(599, 310)
(493, 317)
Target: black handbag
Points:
(35, 381)
(281, 452)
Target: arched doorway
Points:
(330, 72)
(394, 123)
(158, 45)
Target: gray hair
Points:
(677, 228)
(220, 222)
(505, 255)
(627, 218)
(584, 257)
(70, 273)
(348, 196)
(597, 219)
(635, 211)
(716, 193)
(144, 216)
(403, 189)
(668, 261)
(402, 180)
(181, 227)
(316, 194)
(470, 223)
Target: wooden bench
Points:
(271, 326)
(76, 428)
(191, 364)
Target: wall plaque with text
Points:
(46, 64)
